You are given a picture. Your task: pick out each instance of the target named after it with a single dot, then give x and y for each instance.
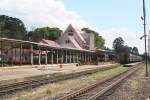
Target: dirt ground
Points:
(50, 91)
(136, 87)
(10, 73)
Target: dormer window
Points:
(70, 32)
(67, 41)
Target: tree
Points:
(99, 41)
(135, 50)
(45, 33)
(118, 45)
(121, 50)
(12, 27)
(34, 36)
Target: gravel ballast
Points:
(136, 87)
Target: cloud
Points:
(37, 13)
(131, 38)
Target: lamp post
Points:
(145, 39)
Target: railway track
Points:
(96, 90)
(10, 89)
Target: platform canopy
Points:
(13, 42)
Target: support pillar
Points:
(46, 57)
(87, 57)
(84, 57)
(12, 54)
(52, 57)
(73, 57)
(15, 54)
(77, 57)
(90, 57)
(80, 57)
(57, 56)
(62, 57)
(39, 56)
(20, 54)
(31, 54)
(106, 57)
(1, 53)
(70, 57)
(66, 57)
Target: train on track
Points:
(130, 58)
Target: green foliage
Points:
(135, 50)
(122, 50)
(44, 33)
(106, 48)
(118, 45)
(99, 41)
(12, 27)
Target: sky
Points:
(111, 18)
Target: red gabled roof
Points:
(50, 42)
(74, 42)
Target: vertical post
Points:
(57, 56)
(73, 57)
(70, 56)
(66, 57)
(1, 53)
(20, 54)
(31, 54)
(105, 57)
(144, 15)
(84, 57)
(52, 60)
(87, 57)
(15, 54)
(39, 56)
(80, 57)
(90, 57)
(149, 46)
(62, 57)
(77, 57)
(46, 56)
(12, 54)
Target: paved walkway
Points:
(29, 71)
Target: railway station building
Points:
(74, 46)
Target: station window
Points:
(67, 41)
(70, 32)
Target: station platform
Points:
(20, 73)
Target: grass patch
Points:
(110, 72)
(148, 67)
(53, 89)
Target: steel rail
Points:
(14, 87)
(82, 91)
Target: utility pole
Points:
(149, 46)
(144, 18)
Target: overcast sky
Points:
(111, 18)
